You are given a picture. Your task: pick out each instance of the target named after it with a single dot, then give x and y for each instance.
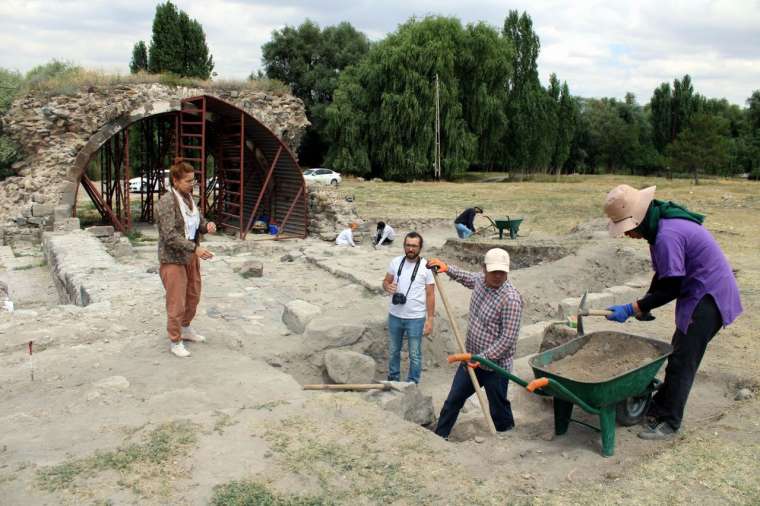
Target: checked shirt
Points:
(494, 320)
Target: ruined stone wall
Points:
(330, 212)
(58, 135)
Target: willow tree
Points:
(485, 64)
(394, 115)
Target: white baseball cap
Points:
(497, 260)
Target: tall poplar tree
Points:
(139, 58)
(178, 44)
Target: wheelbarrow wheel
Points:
(632, 410)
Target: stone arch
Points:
(59, 133)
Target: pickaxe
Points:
(583, 310)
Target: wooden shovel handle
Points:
(597, 312)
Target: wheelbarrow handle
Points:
(459, 357)
(536, 384)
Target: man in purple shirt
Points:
(494, 324)
(689, 267)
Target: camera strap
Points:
(414, 273)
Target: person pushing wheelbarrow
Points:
(689, 267)
(494, 324)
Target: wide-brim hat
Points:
(626, 208)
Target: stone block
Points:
(67, 198)
(555, 335)
(40, 210)
(599, 300)
(529, 340)
(623, 294)
(20, 221)
(406, 401)
(69, 224)
(345, 366)
(61, 212)
(252, 269)
(333, 333)
(297, 315)
(568, 307)
(101, 230)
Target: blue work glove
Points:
(621, 312)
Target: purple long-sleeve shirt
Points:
(494, 321)
(686, 249)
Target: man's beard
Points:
(413, 256)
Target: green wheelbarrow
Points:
(623, 398)
(511, 224)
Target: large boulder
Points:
(407, 401)
(298, 313)
(344, 366)
(331, 332)
(252, 269)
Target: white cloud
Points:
(599, 48)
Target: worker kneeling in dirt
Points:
(346, 237)
(690, 267)
(494, 323)
(385, 234)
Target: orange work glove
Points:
(437, 264)
(473, 365)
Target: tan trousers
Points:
(183, 292)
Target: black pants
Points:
(386, 241)
(461, 389)
(669, 402)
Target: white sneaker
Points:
(179, 349)
(188, 334)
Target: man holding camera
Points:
(412, 289)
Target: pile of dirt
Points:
(605, 355)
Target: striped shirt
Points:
(494, 320)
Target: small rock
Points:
(479, 439)
(252, 269)
(743, 394)
(113, 383)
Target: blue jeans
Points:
(462, 231)
(495, 386)
(413, 328)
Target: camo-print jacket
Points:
(173, 247)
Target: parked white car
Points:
(322, 176)
(139, 185)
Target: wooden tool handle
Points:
(598, 312)
(348, 386)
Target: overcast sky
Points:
(601, 48)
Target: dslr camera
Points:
(398, 298)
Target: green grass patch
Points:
(136, 463)
(250, 493)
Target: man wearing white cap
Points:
(494, 323)
(689, 267)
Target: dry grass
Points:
(78, 79)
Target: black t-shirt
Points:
(467, 218)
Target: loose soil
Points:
(604, 356)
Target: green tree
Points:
(178, 44)
(528, 109)
(311, 60)
(567, 112)
(660, 105)
(10, 84)
(387, 103)
(700, 146)
(485, 62)
(139, 62)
